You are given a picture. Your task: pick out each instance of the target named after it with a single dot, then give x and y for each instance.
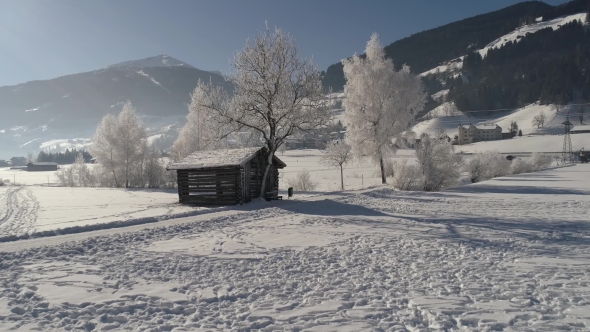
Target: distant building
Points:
(41, 167)
(18, 161)
(508, 135)
(485, 132)
(4, 163)
(580, 129)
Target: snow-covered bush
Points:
(77, 175)
(389, 168)
(440, 166)
(1, 182)
(407, 177)
(487, 165)
(154, 172)
(537, 162)
(302, 181)
(540, 161)
(520, 165)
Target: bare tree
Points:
(539, 120)
(337, 154)
(277, 94)
(380, 103)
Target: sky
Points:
(44, 39)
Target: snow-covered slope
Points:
(524, 117)
(532, 143)
(448, 124)
(444, 110)
(454, 66)
(519, 33)
(162, 60)
(444, 118)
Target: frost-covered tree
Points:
(276, 95)
(198, 133)
(380, 103)
(119, 144)
(440, 166)
(154, 172)
(105, 149)
(336, 154)
(131, 139)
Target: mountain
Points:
(425, 50)
(155, 61)
(446, 45)
(527, 53)
(71, 106)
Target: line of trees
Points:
(551, 66)
(63, 158)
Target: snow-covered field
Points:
(30, 209)
(512, 253)
(357, 175)
(535, 143)
(38, 204)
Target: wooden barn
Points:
(41, 167)
(226, 177)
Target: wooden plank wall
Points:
(212, 186)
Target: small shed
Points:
(41, 167)
(225, 177)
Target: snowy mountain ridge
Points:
(455, 65)
(161, 60)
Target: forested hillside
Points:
(551, 65)
(425, 50)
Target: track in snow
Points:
(18, 211)
(508, 254)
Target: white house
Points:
(484, 132)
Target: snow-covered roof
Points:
(580, 127)
(219, 158)
(38, 163)
(487, 126)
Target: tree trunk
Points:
(127, 173)
(341, 177)
(381, 164)
(264, 178)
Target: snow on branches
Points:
(380, 103)
(276, 94)
(336, 154)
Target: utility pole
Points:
(567, 152)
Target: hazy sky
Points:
(41, 39)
